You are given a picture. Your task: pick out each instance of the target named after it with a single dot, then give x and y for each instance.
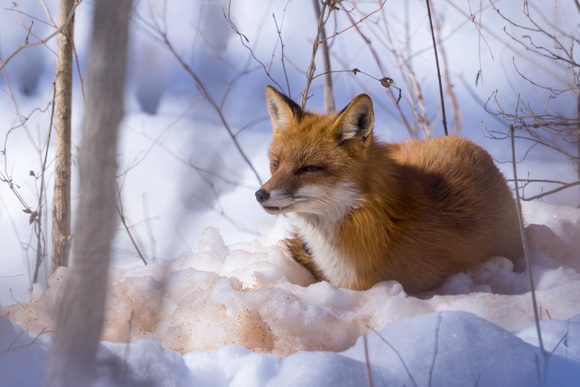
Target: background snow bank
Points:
(252, 296)
(446, 348)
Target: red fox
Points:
(365, 211)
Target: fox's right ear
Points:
(283, 111)
(356, 121)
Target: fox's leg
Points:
(300, 254)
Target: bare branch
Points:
(40, 246)
(354, 24)
(368, 363)
(120, 212)
(543, 194)
(12, 346)
(379, 63)
(435, 349)
(161, 34)
(328, 98)
(26, 45)
(438, 69)
(244, 40)
(282, 56)
(526, 248)
(312, 65)
(398, 355)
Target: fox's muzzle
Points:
(262, 195)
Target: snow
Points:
(235, 310)
(245, 314)
(447, 348)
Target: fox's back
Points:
(453, 208)
(455, 177)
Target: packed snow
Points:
(245, 314)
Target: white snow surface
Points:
(245, 314)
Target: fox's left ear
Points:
(283, 111)
(356, 120)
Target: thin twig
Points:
(368, 363)
(555, 190)
(563, 339)
(328, 98)
(377, 59)
(547, 181)
(119, 208)
(39, 248)
(13, 187)
(244, 40)
(578, 133)
(315, 44)
(203, 91)
(323, 15)
(480, 34)
(398, 355)
(43, 41)
(526, 249)
(279, 31)
(127, 348)
(438, 69)
(447, 80)
(354, 24)
(12, 348)
(436, 349)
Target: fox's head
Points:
(315, 158)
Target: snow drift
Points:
(251, 296)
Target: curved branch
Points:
(565, 186)
(203, 91)
(45, 40)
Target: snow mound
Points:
(254, 296)
(445, 348)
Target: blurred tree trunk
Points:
(578, 135)
(328, 90)
(72, 355)
(61, 212)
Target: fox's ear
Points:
(283, 111)
(356, 120)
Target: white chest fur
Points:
(319, 229)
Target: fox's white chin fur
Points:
(278, 210)
(330, 203)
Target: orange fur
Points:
(365, 211)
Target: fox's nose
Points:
(262, 195)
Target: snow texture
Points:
(245, 314)
(447, 348)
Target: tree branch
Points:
(438, 69)
(45, 40)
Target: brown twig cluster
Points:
(550, 47)
(158, 30)
(383, 35)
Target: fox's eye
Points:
(310, 168)
(275, 164)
